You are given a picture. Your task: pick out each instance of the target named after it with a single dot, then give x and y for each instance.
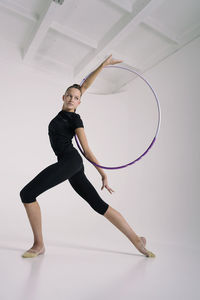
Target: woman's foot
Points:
(140, 245)
(35, 250)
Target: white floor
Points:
(71, 271)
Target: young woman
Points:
(70, 166)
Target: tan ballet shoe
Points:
(150, 254)
(33, 253)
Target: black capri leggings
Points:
(68, 167)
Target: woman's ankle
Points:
(38, 243)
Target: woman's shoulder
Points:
(78, 120)
(77, 115)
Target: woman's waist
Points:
(69, 153)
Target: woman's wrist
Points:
(104, 176)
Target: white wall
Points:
(175, 185)
(158, 195)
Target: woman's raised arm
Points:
(108, 61)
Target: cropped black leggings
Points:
(69, 167)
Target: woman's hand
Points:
(89, 80)
(105, 184)
(111, 61)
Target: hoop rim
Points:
(157, 128)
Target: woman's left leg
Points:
(86, 190)
(118, 220)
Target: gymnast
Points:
(69, 166)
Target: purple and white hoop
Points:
(157, 129)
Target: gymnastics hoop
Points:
(157, 129)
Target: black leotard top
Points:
(61, 130)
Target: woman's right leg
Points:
(46, 179)
(34, 215)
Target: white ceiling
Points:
(69, 40)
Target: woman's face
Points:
(72, 99)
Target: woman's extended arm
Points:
(80, 132)
(87, 83)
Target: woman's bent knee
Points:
(104, 209)
(26, 197)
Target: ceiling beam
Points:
(126, 5)
(66, 67)
(190, 34)
(126, 25)
(68, 32)
(152, 23)
(35, 39)
(18, 9)
(127, 61)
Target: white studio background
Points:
(158, 196)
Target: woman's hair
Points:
(75, 86)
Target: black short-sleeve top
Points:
(61, 130)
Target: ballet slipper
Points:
(150, 254)
(33, 253)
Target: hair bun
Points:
(76, 86)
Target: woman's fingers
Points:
(109, 189)
(105, 184)
(110, 61)
(116, 61)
